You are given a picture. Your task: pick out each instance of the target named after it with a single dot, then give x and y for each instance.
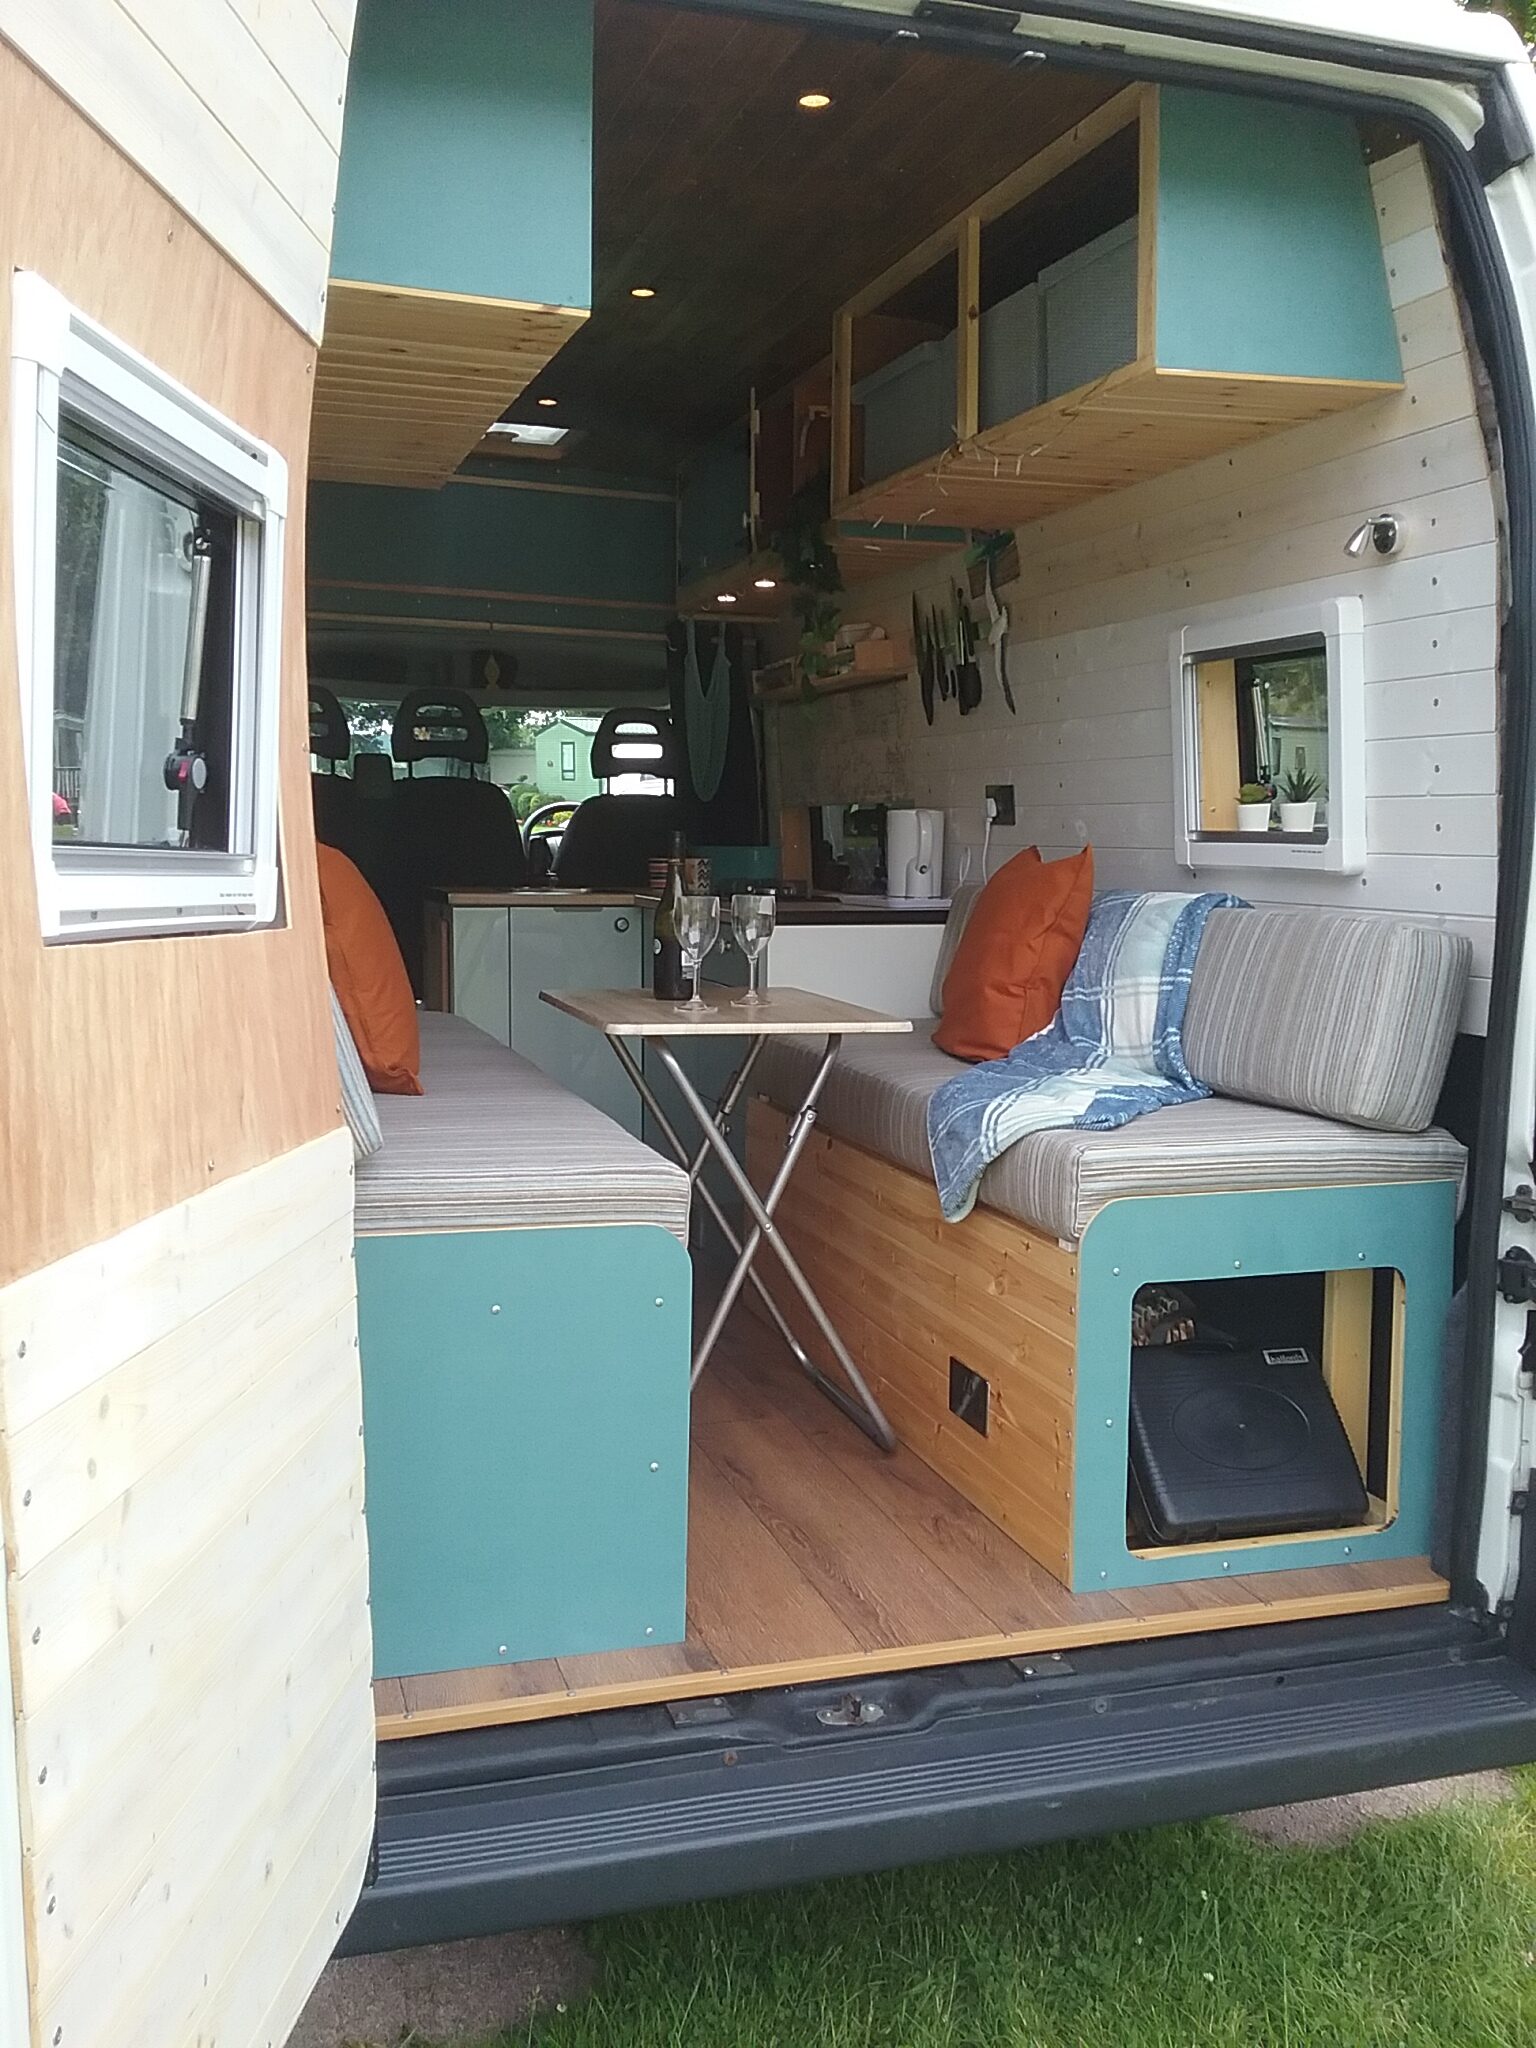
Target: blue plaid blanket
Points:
(1113, 1051)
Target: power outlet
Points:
(1001, 794)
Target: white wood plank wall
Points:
(1103, 586)
(232, 107)
(181, 1488)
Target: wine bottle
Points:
(668, 983)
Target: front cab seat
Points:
(335, 798)
(612, 840)
(454, 831)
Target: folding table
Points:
(623, 1015)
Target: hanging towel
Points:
(1114, 1050)
(718, 722)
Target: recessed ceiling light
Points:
(814, 102)
(549, 401)
(764, 583)
(529, 436)
(726, 597)
(641, 291)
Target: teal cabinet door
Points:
(481, 991)
(570, 948)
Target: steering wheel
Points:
(548, 818)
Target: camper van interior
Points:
(957, 459)
(764, 868)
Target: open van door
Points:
(186, 1726)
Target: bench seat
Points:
(1056, 1181)
(494, 1144)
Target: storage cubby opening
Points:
(905, 374)
(1263, 1408)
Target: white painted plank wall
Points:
(1103, 587)
(182, 1483)
(232, 107)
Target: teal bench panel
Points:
(525, 1424)
(1219, 1237)
(1268, 255)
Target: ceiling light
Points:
(726, 597)
(764, 583)
(641, 291)
(530, 436)
(549, 401)
(814, 102)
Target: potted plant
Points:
(1298, 797)
(1253, 802)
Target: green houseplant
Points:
(1298, 796)
(1253, 802)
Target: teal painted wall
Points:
(586, 558)
(466, 154)
(712, 505)
(1268, 255)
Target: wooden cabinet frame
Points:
(1138, 421)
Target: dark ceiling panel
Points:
(751, 219)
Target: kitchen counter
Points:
(792, 909)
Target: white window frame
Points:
(1340, 623)
(58, 354)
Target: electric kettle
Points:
(914, 854)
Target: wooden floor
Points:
(812, 1555)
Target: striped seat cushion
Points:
(493, 1144)
(1057, 1181)
(357, 1104)
(1344, 1015)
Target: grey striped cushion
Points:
(1056, 1181)
(493, 1144)
(356, 1096)
(1344, 1015)
(961, 904)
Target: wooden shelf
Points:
(781, 682)
(1247, 294)
(1137, 423)
(866, 550)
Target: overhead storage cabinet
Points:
(462, 256)
(1241, 292)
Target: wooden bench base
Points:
(1003, 1357)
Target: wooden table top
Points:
(783, 1012)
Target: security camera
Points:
(1381, 534)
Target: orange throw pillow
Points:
(1020, 944)
(369, 977)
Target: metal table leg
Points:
(659, 1117)
(868, 1414)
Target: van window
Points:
(148, 539)
(1269, 715)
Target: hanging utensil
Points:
(968, 672)
(921, 654)
(997, 635)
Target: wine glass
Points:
(752, 919)
(698, 927)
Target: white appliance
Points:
(914, 855)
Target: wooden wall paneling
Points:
(1216, 727)
(233, 110)
(140, 1071)
(188, 1615)
(914, 1295)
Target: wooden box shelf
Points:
(1248, 319)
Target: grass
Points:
(1421, 1934)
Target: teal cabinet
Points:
(504, 957)
(525, 1416)
(574, 948)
